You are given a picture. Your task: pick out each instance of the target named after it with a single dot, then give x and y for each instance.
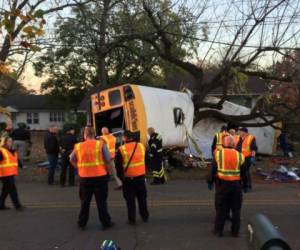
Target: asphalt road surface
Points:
(182, 214)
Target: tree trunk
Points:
(101, 70)
(5, 49)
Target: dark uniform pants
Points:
(157, 170)
(99, 187)
(135, 188)
(66, 165)
(228, 198)
(9, 188)
(247, 166)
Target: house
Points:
(36, 111)
(253, 89)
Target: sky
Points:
(223, 17)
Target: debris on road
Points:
(281, 174)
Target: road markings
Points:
(162, 203)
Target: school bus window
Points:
(114, 97)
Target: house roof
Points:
(30, 102)
(254, 85)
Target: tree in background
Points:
(88, 54)
(22, 25)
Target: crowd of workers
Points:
(234, 153)
(95, 158)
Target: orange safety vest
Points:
(229, 161)
(110, 141)
(137, 165)
(246, 145)
(236, 140)
(9, 164)
(220, 140)
(89, 157)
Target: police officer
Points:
(229, 176)
(218, 139)
(130, 165)
(92, 159)
(67, 142)
(8, 171)
(155, 157)
(247, 146)
(110, 141)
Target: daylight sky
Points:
(228, 13)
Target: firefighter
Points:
(67, 143)
(8, 171)
(218, 140)
(228, 174)
(110, 141)
(247, 146)
(235, 136)
(92, 159)
(155, 157)
(130, 164)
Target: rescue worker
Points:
(155, 157)
(130, 165)
(235, 136)
(92, 159)
(218, 140)
(67, 143)
(110, 141)
(247, 146)
(8, 171)
(51, 146)
(228, 174)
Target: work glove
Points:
(252, 160)
(210, 186)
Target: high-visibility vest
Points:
(236, 140)
(246, 145)
(110, 141)
(89, 157)
(229, 162)
(220, 140)
(9, 163)
(136, 166)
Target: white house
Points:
(36, 111)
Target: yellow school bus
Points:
(135, 108)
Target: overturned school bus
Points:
(136, 108)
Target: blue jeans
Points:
(52, 167)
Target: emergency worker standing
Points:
(228, 175)
(8, 171)
(67, 143)
(247, 146)
(110, 141)
(155, 157)
(92, 159)
(130, 165)
(235, 136)
(219, 140)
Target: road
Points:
(181, 218)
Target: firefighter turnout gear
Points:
(130, 165)
(155, 159)
(90, 157)
(228, 175)
(9, 169)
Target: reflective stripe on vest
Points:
(220, 140)
(89, 159)
(137, 165)
(229, 162)
(246, 145)
(9, 164)
(110, 141)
